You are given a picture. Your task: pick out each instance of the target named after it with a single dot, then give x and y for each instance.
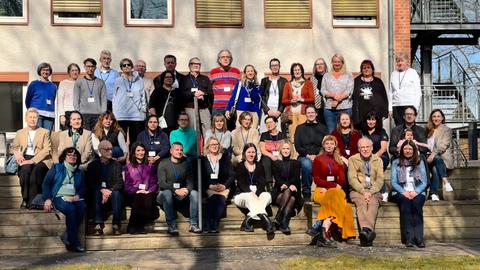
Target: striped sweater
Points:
(222, 79)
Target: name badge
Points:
(194, 89)
(70, 186)
(30, 152)
(129, 94)
(276, 153)
(213, 176)
(152, 153)
(330, 178)
(156, 142)
(367, 179)
(49, 102)
(142, 186)
(226, 89)
(247, 99)
(176, 185)
(347, 151)
(253, 188)
(104, 185)
(91, 99)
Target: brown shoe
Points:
(98, 230)
(116, 229)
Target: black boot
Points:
(247, 225)
(324, 240)
(284, 225)
(278, 218)
(268, 224)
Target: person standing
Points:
(107, 74)
(223, 78)
(90, 95)
(319, 69)
(65, 95)
(271, 88)
(405, 89)
(170, 63)
(148, 86)
(128, 101)
(41, 95)
(196, 85)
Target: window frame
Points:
(23, 20)
(88, 22)
(287, 27)
(356, 23)
(242, 11)
(169, 22)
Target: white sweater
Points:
(404, 89)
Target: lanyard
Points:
(251, 176)
(401, 80)
(177, 177)
(330, 169)
(244, 138)
(140, 172)
(194, 80)
(130, 83)
(249, 90)
(213, 165)
(90, 90)
(70, 177)
(367, 167)
(274, 87)
(101, 75)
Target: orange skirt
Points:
(333, 204)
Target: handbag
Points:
(162, 122)
(11, 165)
(286, 117)
(233, 109)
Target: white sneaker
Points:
(435, 198)
(447, 187)
(385, 197)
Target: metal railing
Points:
(450, 70)
(445, 11)
(459, 102)
(460, 159)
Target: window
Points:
(11, 102)
(219, 13)
(288, 13)
(157, 13)
(13, 11)
(355, 13)
(78, 12)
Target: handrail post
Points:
(472, 140)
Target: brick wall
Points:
(402, 26)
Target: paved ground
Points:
(228, 258)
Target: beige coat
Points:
(443, 145)
(238, 142)
(41, 143)
(84, 145)
(356, 174)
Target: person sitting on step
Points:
(286, 193)
(105, 182)
(251, 190)
(335, 214)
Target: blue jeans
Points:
(116, 200)
(117, 152)
(45, 122)
(331, 117)
(74, 213)
(306, 169)
(439, 171)
(167, 200)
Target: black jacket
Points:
(377, 102)
(308, 138)
(243, 178)
(225, 173)
(114, 178)
(265, 90)
(203, 84)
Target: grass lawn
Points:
(388, 262)
(86, 267)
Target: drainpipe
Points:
(391, 52)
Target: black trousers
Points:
(31, 180)
(411, 217)
(398, 115)
(132, 128)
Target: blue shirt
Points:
(109, 78)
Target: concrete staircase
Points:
(36, 232)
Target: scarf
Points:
(75, 138)
(70, 170)
(402, 173)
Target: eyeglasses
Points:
(106, 58)
(225, 57)
(168, 77)
(182, 119)
(90, 66)
(72, 155)
(365, 147)
(195, 64)
(214, 144)
(126, 65)
(106, 149)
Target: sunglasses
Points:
(126, 65)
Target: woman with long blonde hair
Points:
(329, 177)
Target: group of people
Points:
(130, 140)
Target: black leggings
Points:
(31, 180)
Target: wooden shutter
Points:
(219, 13)
(77, 6)
(354, 8)
(288, 13)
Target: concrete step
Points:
(188, 240)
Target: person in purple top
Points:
(141, 187)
